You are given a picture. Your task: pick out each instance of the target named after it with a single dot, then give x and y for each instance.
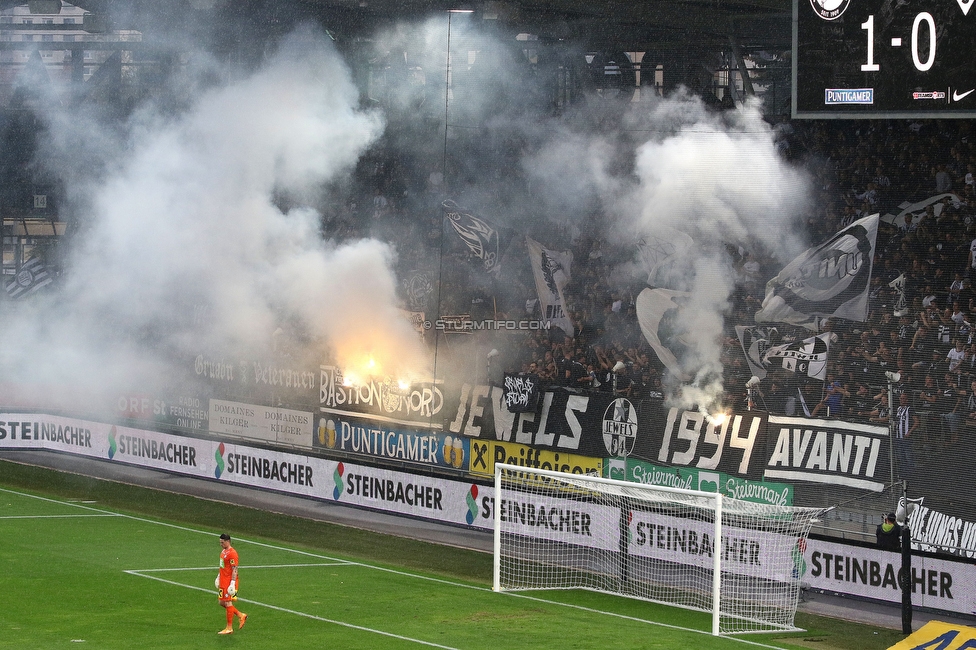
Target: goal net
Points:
(737, 560)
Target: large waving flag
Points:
(830, 280)
(664, 255)
(551, 270)
(657, 310)
(480, 236)
(911, 214)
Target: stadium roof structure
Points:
(602, 25)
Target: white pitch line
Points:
(393, 571)
(304, 614)
(54, 516)
(243, 566)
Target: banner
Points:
(912, 213)
(484, 455)
(830, 280)
(552, 273)
(184, 411)
(31, 277)
(402, 493)
(656, 313)
(521, 392)
(684, 541)
(936, 635)
(257, 381)
(266, 423)
(382, 400)
(869, 572)
(807, 357)
(663, 255)
(637, 471)
(421, 447)
(828, 451)
(417, 287)
(682, 438)
(560, 420)
(933, 530)
(480, 236)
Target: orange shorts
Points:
(222, 592)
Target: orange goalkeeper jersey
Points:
(228, 561)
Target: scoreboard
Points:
(884, 58)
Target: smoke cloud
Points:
(185, 248)
(201, 230)
(685, 182)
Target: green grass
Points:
(90, 563)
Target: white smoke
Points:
(697, 181)
(185, 248)
(720, 180)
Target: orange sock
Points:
(230, 616)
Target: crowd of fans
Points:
(860, 168)
(928, 341)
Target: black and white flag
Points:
(521, 392)
(663, 255)
(418, 287)
(32, 276)
(481, 237)
(552, 272)
(911, 214)
(901, 301)
(657, 315)
(755, 342)
(807, 357)
(830, 280)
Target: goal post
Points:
(736, 560)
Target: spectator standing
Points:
(906, 424)
(888, 534)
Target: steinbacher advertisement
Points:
(860, 570)
(873, 573)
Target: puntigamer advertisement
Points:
(354, 435)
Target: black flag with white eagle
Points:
(481, 237)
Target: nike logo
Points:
(956, 95)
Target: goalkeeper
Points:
(226, 583)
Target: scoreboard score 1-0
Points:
(884, 58)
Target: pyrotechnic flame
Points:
(370, 369)
(716, 419)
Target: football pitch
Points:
(77, 572)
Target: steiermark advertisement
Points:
(638, 471)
